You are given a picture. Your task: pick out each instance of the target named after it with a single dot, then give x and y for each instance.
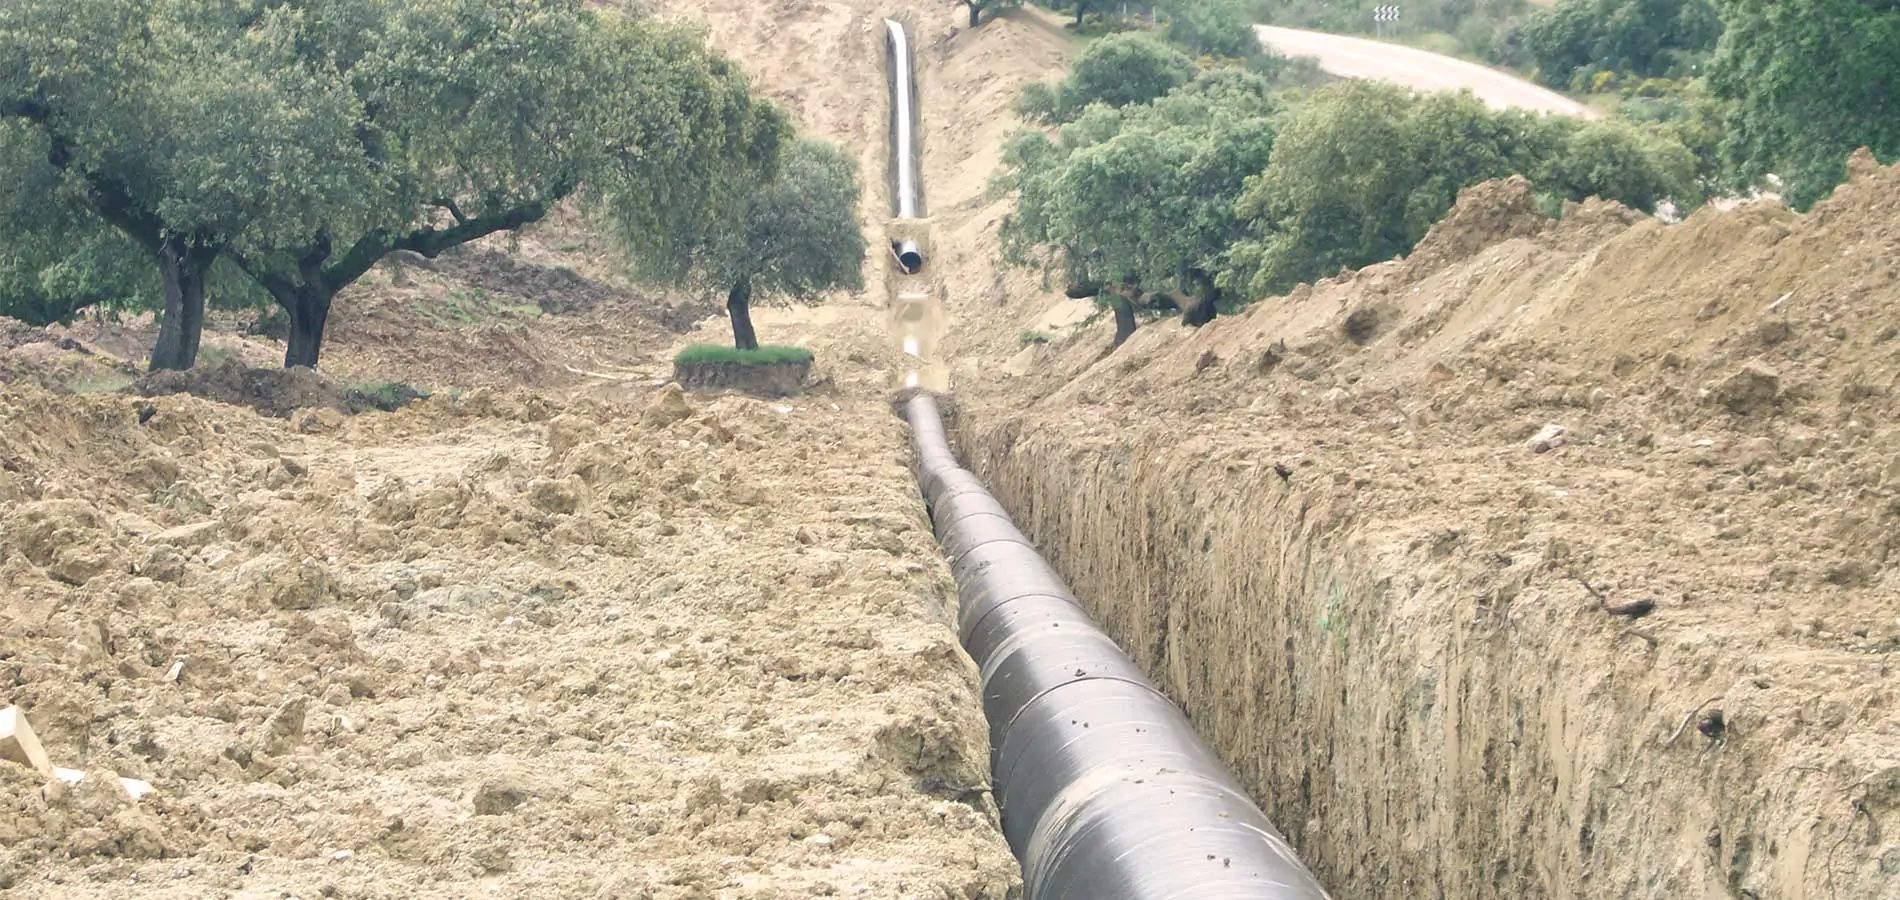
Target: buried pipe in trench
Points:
(1107, 792)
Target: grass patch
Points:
(106, 381)
(766, 355)
(1034, 337)
(387, 396)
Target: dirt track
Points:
(1352, 57)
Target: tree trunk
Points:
(976, 12)
(1206, 300)
(739, 307)
(309, 309)
(185, 270)
(1080, 7)
(1124, 316)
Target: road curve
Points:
(1351, 57)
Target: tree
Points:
(178, 136)
(487, 116)
(1809, 82)
(1142, 198)
(792, 233)
(1360, 174)
(1117, 70)
(1649, 38)
(58, 258)
(308, 141)
(1214, 27)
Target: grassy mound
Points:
(766, 355)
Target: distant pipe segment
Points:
(1106, 790)
(901, 74)
(904, 250)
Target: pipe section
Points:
(902, 118)
(1106, 790)
(909, 256)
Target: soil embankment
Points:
(1555, 561)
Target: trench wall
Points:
(1413, 738)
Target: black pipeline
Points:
(1106, 790)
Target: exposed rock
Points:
(667, 407)
(1754, 389)
(1548, 438)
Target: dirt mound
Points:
(1484, 214)
(274, 392)
(488, 640)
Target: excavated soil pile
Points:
(1557, 560)
(490, 645)
(554, 631)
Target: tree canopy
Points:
(1808, 82)
(1361, 173)
(1218, 190)
(306, 141)
(58, 258)
(1142, 197)
(792, 233)
(1649, 38)
(1117, 70)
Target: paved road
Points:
(1350, 57)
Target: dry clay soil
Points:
(555, 631)
(535, 640)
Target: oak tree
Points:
(790, 233)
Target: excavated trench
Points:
(1105, 789)
(1414, 729)
(1413, 738)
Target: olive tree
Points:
(790, 233)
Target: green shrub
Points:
(766, 355)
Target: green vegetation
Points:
(1161, 181)
(1220, 191)
(1807, 82)
(1582, 44)
(306, 142)
(764, 355)
(1115, 71)
(1360, 173)
(387, 396)
(792, 233)
(1752, 87)
(1141, 198)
